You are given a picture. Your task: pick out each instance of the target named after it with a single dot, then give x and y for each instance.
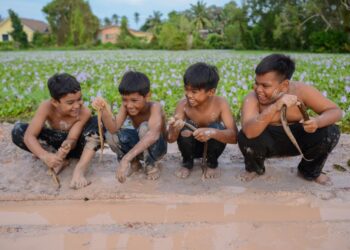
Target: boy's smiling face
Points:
(268, 87)
(134, 103)
(70, 104)
(196, 97)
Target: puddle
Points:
(120, 212)
(178, 225)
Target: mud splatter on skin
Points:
(63, 125)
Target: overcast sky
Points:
(106, 8)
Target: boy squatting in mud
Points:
(65, 124)
(262, 136)
(209, 114)
(147, 139)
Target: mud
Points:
(278, 210)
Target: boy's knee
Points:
(112, 140)
(92, 142)
(143, 129)
(18, 132)
(332, 136)
(217, 125)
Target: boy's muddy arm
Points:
(176, 123)
(112, 124)
(329, 112)
(155, 123)
(31, 137)
(77, 128)
(254, 122)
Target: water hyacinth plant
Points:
(24, 76)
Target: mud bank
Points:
(276, 211)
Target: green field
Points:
(23, 76)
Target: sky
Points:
(106, 8)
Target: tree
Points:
(137, 17)
(107, 21)
(200, 16)
(115, 19)
(18, 35)
(153, 23)
(72, 22)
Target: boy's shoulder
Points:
(46, 107)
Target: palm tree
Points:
(137, 17)
(200, 15)
(153, 22)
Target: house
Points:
(30, 26)
(109, 34)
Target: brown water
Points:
(149, 225)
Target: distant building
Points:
(109, 34)
(29, 26)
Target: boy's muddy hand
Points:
(288, 100)
(52, 160)
(177, 124)
(121, 171)
(203, 134)
(310, 126)
(99, 103)
(64, 150)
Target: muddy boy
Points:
(262, 136)
(209, 114)
(147, 139)
(65, 124)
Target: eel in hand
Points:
(283, 117)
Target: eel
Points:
(283, 117)
(100, 131)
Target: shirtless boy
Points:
(65, 124)
(262, 135)
(146, 140)
(209, 114)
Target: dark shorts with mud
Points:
(191, 148)
(126, 138)
(54, 138)
(274, 142)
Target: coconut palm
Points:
(200, 16)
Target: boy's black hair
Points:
(134, 82)
(201, 76)
(281, 64)
(62, 84)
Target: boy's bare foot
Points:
(135, 166)
(248, 176)
(152, 172)
(323, 180)
(182, 172)
(212, 173)
(78, 180)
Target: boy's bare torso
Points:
(58, 122)
(204, 115)
(145, 116)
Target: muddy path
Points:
(276, 211)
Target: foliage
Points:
(18, 35)
(72, 22)
(328, 41)
(24, 76)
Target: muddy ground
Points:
(276, 211)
